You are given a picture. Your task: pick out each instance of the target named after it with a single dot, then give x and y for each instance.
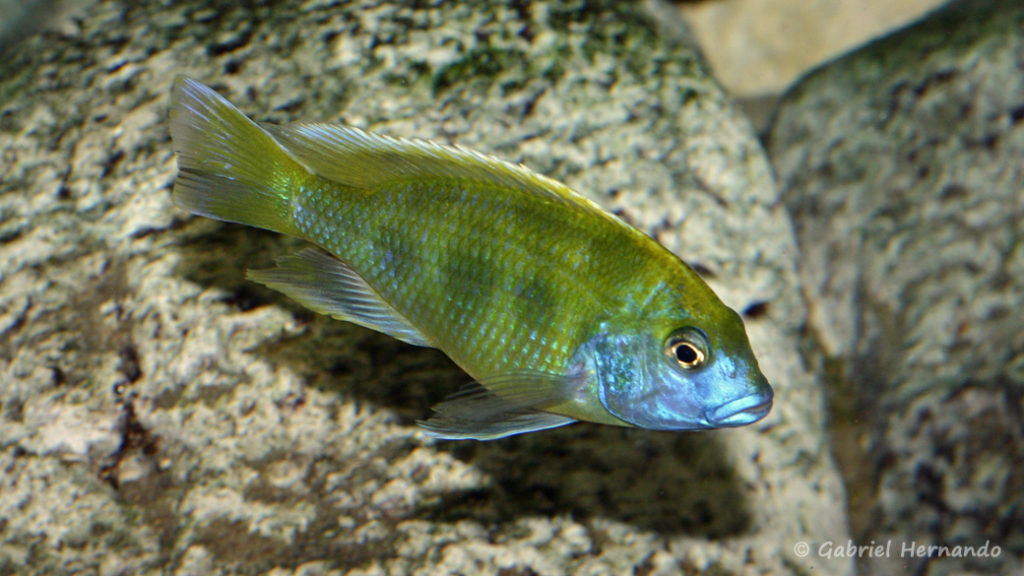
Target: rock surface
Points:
(159, 414)
(759, 48)
(902, 166)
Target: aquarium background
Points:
(160, 414)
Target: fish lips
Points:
(743, 411)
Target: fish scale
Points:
(558, 310)
(451, 315)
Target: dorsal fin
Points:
(364, 160)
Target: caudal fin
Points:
(229, 168)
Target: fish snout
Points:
(742, 411)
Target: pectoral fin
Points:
(327, 285)
(501, 406)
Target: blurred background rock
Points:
(21, 19)
(760, 47)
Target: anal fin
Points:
(324, 284)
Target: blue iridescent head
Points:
(698, 375)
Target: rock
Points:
(161, 414)
(901, 165)
(23, 18)
(760, 48)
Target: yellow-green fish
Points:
(558, 310)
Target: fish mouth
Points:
(741, 412)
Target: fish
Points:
(556, 309)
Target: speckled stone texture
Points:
(902, 164)
(159, 414)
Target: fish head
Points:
(690, 374)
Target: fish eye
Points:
(688, 347)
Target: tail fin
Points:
(229, 168)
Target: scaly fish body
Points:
(558, 310)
